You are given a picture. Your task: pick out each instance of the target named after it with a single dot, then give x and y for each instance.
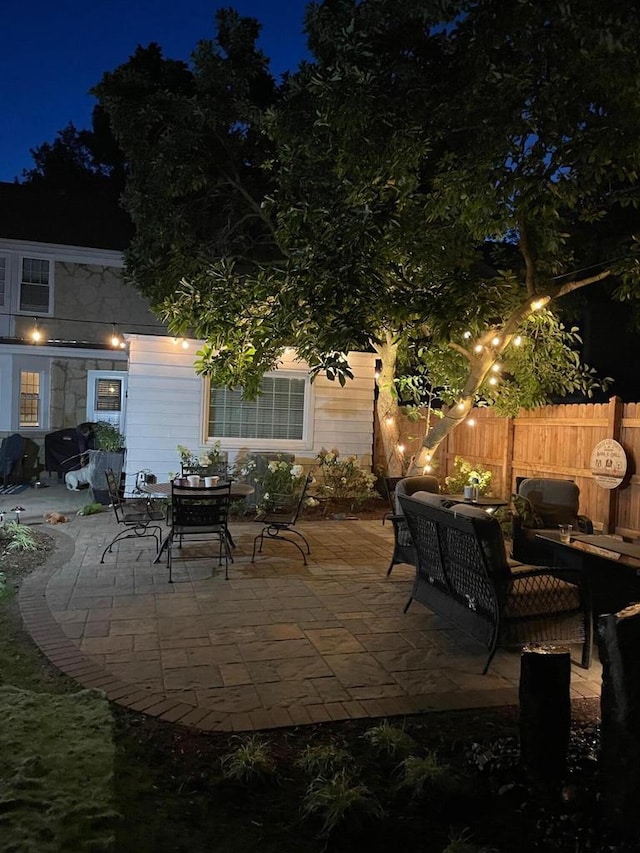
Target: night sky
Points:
(53, 52)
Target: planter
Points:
(99, 462)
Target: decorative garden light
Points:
(17, 510)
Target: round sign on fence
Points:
(608, 463)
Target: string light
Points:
(495, 341)
(496, 367)
(115, 337)
(493, 381)
(36, 334)
(389, 420)
(461, 406)
(478, 348)
(400, 448)
(537, 304)
(517, 341)
(471, 422)
(185, 343)
(427, 469)
(466, 336)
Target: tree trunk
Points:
(545, 711)
(387, 409)
(618, 642)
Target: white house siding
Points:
(165, 407)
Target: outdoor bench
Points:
(463, 575)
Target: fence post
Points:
(614, 429)
(507, 460)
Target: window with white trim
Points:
(35, 286)
(277, 414)
(30, 399)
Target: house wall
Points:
(166, 407)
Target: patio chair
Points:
(389, 488)
(403, 550)
(282, 519)
(541, 505)
(138, 517)
(199, 515)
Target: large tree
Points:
(429, 185)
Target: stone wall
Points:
(89, 298)
(69, 388)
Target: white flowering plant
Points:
(343, 479)
(209, 460)
(280, 483)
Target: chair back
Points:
(554, 501)
(202, 510)
(289, 508)
(410, 485)
(114, 494)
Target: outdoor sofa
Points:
(463, 575)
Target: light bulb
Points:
(466, 336)
(401, 448)
(36, 335)
(185, 344)
(478, 348)
(427, 469)
(115, 341)
(495, 341)
(537, 304)
(471, 422)
(461, 406)
(389, 419)
(517, 341)
(496, 368)
(493, 381)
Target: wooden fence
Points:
(552, 441)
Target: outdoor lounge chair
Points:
(403, 550)
(544, 504)
(200, 515)
(282, 519)
(139, 518)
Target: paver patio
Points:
(278, 644)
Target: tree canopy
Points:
(429, 185)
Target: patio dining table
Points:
(165, 490)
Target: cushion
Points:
(410, 485)
(554, 501)
(490, 536)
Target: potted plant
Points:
(108, 452)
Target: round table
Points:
(163, 490)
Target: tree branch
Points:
(525, 251)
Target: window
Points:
(278, 413)
(35, 286)
(108, 395)
(29, 398)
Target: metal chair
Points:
(138, 517)
(201, 514)
(282, 518)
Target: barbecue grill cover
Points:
(63, 449)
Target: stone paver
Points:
(278, 644)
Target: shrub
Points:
(420, 774)
(464, 473)
(323, 759)
(17, 537)
(390, 742)
(249, 763)
(343, 478)
(339, 799)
